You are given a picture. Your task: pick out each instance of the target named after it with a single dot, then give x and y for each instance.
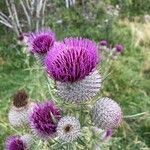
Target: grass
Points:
(128, 84)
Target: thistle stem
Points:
(68, 146)
(81, 115)
(46, 147)
(49, 88)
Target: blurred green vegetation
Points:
(128, 84)
(133, 7)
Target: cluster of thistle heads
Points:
(72, 64)
(108, 50)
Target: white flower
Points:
(68, 129)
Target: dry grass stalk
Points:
(33, 10)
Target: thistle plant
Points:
(77, 116)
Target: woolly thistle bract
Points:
(68, 129)
(19, 110)
(106, 114)
(80, 91)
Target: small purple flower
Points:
(108, 134)
(40, 42)
(21, 37)
(15, 143)
(103, 43)
(44, 118)
(119, 48)
(72, 59)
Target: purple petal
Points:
(103, 43)
(119, 48)
(15, 143)
(41, 42)
(43, 117)
(72, 59)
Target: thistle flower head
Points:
(40, 42)
(44, 118)
(71, 60)
(119, 48)
(80, 91)
(68, 129)
(15, 143)
(103, 43)
(106, 114)
(18, 113)
(20, 99)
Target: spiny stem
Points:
(46, 145)
(82, 114)
(84, 144)
(50, 91)
(106, 76)
(68, 146)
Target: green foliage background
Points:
(129, 84)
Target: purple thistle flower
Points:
(72, 60)
(15, 143)
(119, 48)
(40, 42)
(44, 118)
(103, 43)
